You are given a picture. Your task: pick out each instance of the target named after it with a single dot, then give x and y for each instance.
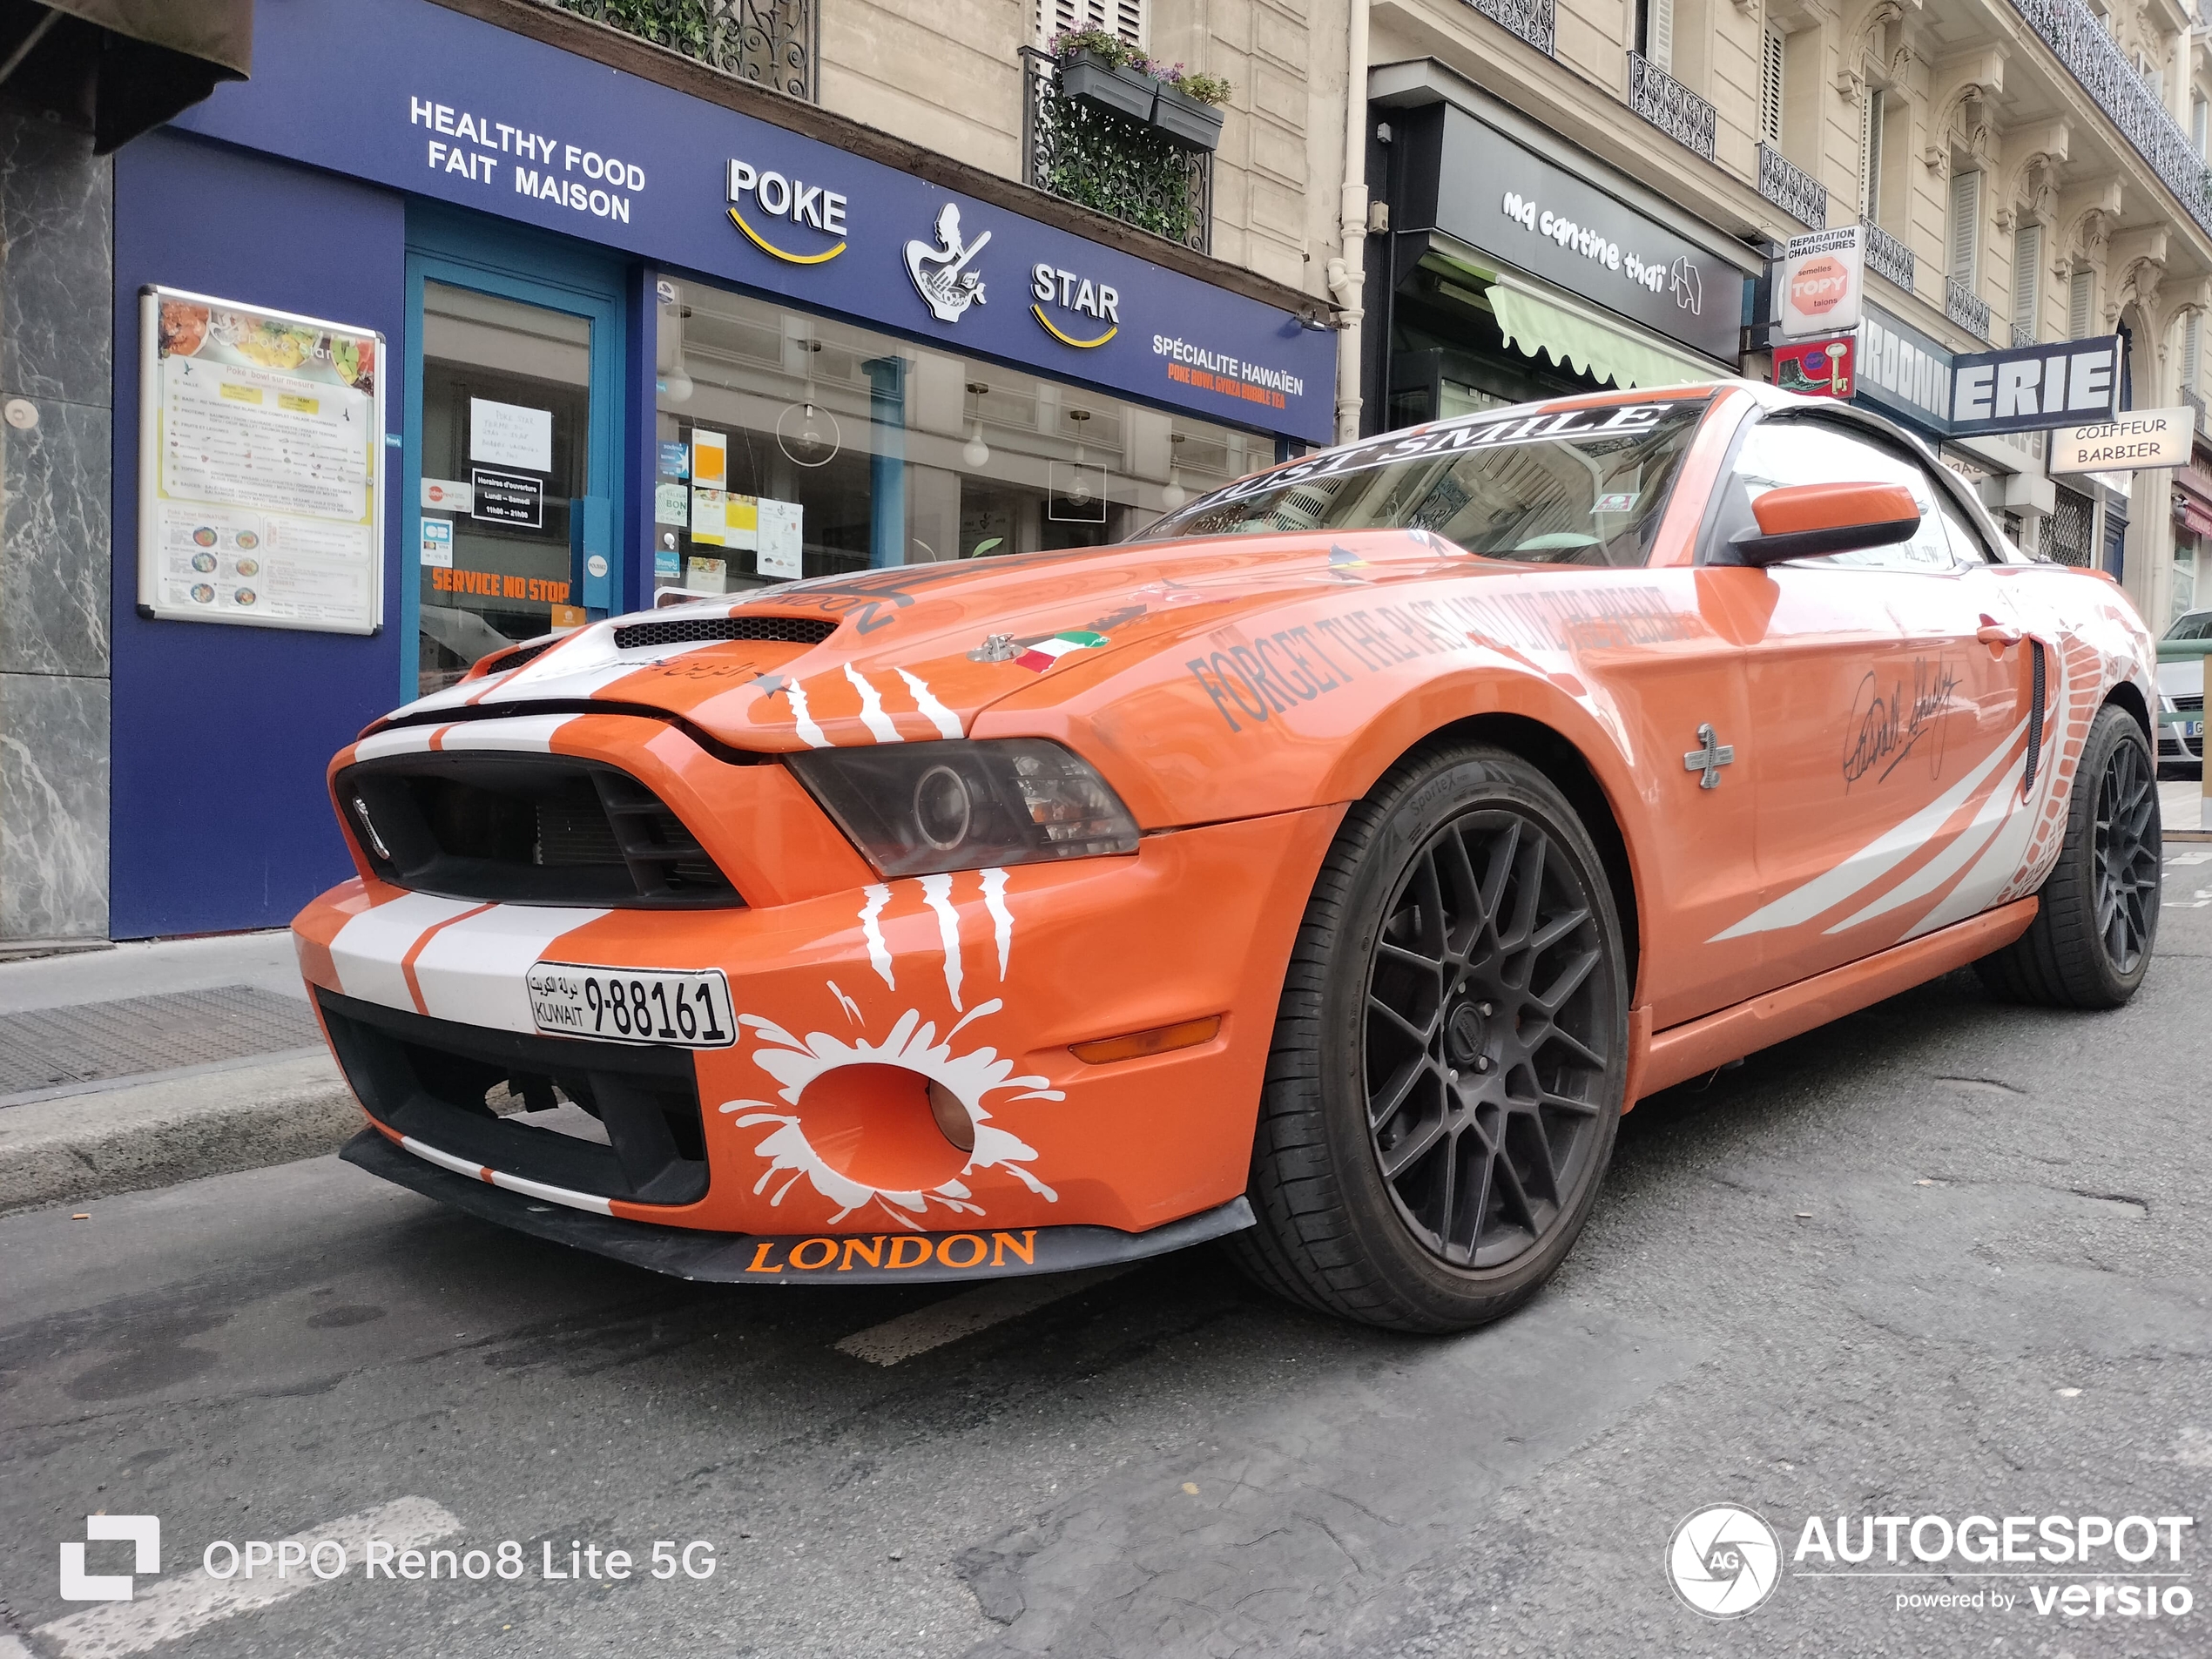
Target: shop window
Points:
(789, 445)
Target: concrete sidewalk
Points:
(151, 1063)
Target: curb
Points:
(94, 1145)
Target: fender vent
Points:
(2034, 714)
(688, 630)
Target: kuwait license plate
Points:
(689, 1010)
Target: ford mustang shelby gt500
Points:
(1327, 869)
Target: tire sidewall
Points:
(2113, 727)
(1428, 796)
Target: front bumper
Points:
(978, 982)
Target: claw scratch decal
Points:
(912, 1044)
(872, 714)
(872, 930)
(1002, 918)
(943, 718)
(937, 892)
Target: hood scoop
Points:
(692, 630)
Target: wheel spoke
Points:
(1412, 1031)
(1569, 982)
(1567, 1103)
(1397, 1089)
(1403, 1157)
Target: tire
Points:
(1497, 1116)
(2090, 943)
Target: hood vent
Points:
(690, 630)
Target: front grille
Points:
(2194, 703)
(689, 631)
(429, 1079)
(527, 829)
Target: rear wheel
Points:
(2090, 943)
(1449, 1056)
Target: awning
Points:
(2195, 517)
(122, 67)
(1535, 324)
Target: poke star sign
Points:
(1820, 283)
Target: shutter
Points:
(2077, 306)
(2192, 343)
(1659, 35)
(1771, 52)
(1965, 225)
(1123, 17)
(2198, 112)
(1872, 115)
(2027, 279)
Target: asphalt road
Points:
(1944, 1258)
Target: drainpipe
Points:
(1347, 274)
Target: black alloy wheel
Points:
(1450, 1054)
(1485, 1022)
(2096, 923)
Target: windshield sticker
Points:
(1622, 501)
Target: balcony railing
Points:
(1795, 192)
(1886, 256)
(1671, 107)
(2079, 41)
(777, 42)
(1534, 21)
(1960, 304)
(1107, 162)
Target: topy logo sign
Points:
(142, 1531)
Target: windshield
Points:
(1575, 487)
(2196, 625)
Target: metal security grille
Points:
(2067, 533)
(48, 1047)
(794, 631)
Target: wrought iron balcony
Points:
(1671, 107)
(2092, 56)
(1534, 21)
(1128, 169)
(1795, 192)
(1886, 256)
(1960, 304)
(777, 42)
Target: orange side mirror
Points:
(1804, 521)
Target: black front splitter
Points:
(795, 1259)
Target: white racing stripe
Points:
(176, 1607)
(367, 950)
(406, 740)
(474, 971)
(965, 1314)
(528, 1189)
(2001, 804)
(526, 734)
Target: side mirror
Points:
(1804, 521)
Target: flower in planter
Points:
(1207, 89)
(1099, 43)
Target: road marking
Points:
(965, 1314)
(177, 1607)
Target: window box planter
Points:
(1090, 79)
(1185, 120)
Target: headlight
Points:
(917, 808)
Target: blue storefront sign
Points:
(441, 105)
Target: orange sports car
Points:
(1327, 869)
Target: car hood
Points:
(918, 652)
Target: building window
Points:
(792, 445)
(1871, 114)
(2079, 303)
(2200, 119)
(1773, 49)
(1655, 33)
(1966, 228)
(1126, 19)
(2027, 281)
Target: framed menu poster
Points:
(261, 467)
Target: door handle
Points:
(1994, 632)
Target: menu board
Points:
(261, 467)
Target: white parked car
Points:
(2180, 688)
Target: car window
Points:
(1967, 545)
(1582, 486)
(2196, 625)
(1777, 453)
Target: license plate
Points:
(2194, 728)
(689, 1010)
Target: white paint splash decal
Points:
(809, 733)
(944, 719)
(912, 1044)
(879, 952)
(872, 714)
(1002, 918)
(937, 892)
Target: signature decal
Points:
(1884, 730)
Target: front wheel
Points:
(1450, 1054)
(2090, 943)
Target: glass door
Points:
(506, 419)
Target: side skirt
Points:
(794, 1258)
(1695, 1046)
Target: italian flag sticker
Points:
(1045, 653)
